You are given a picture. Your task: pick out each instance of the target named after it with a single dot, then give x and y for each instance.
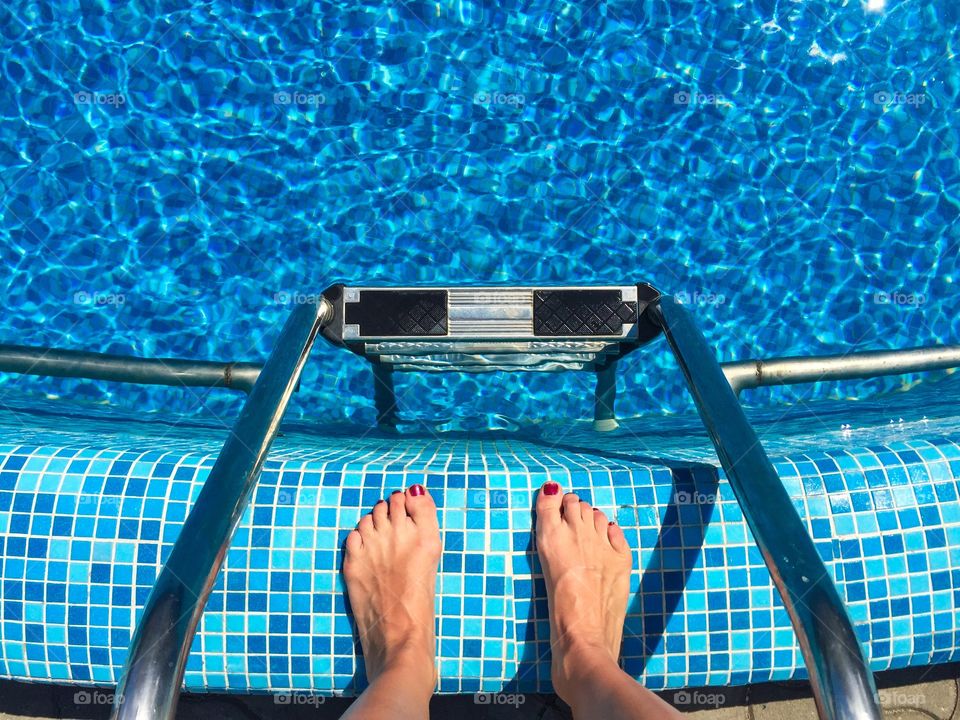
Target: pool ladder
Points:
(479, 329)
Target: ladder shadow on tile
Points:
(680, 537)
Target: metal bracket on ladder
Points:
(483, 329)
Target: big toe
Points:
(421, 507)
(549, 500)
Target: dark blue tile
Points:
(14, 462)
(892, 544)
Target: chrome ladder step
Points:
(491, 328)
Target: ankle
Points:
(410, 663)
(576, 663)
(580, 647)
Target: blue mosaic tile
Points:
(85, 525)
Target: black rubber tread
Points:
(559, 313)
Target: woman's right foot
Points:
(390, 569)
(586, 565)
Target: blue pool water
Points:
(170, 176)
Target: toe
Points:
(420, 506)
(586, 511)
(617, 540)
(599, 520)
(570, 507)
(380, 514)
(398, 510)
(548, 504)
(354, 542)
(365, 526)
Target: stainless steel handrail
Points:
(859, 365)
(53, 362)
(153, 674)
(843, 685)
(742, 375)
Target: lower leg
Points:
(391, 695)
(586, 567)
(597, 687)
(390, 570)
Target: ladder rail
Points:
(178, 372)
(742, 375)
(750, 374)
(153, 674)
(843, 686)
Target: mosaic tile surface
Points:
(86, 523)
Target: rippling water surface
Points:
(170, 178)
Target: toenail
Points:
(417, 490)
(596, 509)
(395, 492)
(611, 523)
(551, 488)
(380, 501)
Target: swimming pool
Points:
(173, 177)
(175, 180)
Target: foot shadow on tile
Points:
(662, 582)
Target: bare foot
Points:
(390, 569)
(586, 565)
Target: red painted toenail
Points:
(611, 523)
(596, 509)
(551, 488)
(417, 490)
(380, 501)
(395, 492)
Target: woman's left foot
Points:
(390, 568)
(586, 565)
